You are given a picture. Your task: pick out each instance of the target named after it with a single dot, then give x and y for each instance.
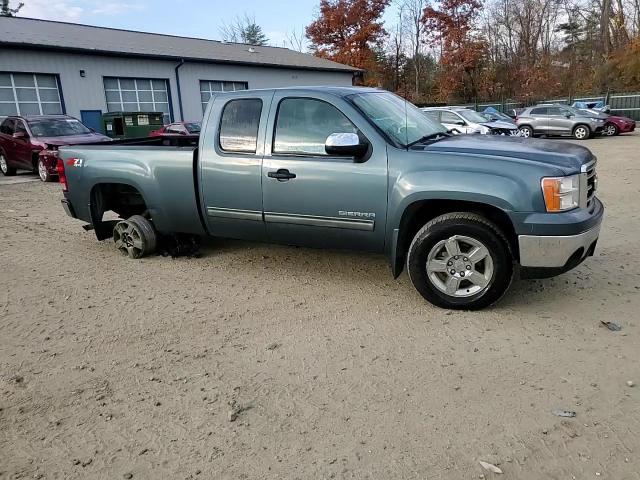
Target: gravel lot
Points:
(259, 361)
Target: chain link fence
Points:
(623, 104)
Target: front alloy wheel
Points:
(460, 266)
(460, 261)
(43, 171)
(610, 130)
(526, 132)
(581, 132)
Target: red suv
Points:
(31, 142)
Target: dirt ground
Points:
(328, 367)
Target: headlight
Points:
(561, 193)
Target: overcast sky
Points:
(194, 18)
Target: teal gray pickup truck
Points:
(355, 168)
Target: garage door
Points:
(29, 94)
(137, 95)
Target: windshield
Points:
(57, 127)
(498, 116)
(192, 127)
(471, 116)
(565, 109)
(401, 121)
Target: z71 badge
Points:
(74, 162)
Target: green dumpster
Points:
(119, 125)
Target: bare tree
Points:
(7, 11)
(243, 30)
(396, 48)
(413, 11)
(296, 41)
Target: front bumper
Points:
(549, 255)
(627, 127)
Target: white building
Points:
(54, 67)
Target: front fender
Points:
(505, 193)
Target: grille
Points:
(592, 182)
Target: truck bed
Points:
(163, 175)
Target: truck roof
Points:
(334, 90)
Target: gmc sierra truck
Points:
(356, 168)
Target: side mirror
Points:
(460, 122)
(21, 135)
(345, 144)
(568, 115)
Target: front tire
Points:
(611, 130)
(581, 132)
(6, 170)
(460, 261)
(135, 237)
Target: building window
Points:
(137, 95)
(29, 94)
(209, 87)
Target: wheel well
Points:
(122, 199)
(419, 213)
(35, 156)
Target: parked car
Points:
(494, 114)
(358, 168)
(598, 106)
(465, 120)
(614, 124)
(31, 142)
(178, 128)
(558, 120)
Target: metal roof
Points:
(33, 33)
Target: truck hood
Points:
(74, 139)
(550, 152)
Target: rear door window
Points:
(20, 128)
(539, 111)
(174, 129)
(7, 126)
(239, 125)
(451, 118)
(433, 115)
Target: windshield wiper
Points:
(432, 136)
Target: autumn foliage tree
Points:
(350, 32)
(451, 24)
(467, 50)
